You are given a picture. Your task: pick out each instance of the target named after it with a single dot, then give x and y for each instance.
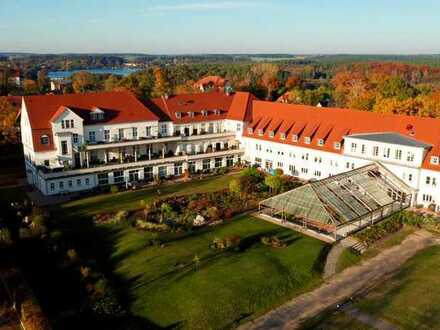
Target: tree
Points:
(161, 84)
(267, 76)
(235, 186)
(294, 82)
(30, 86)
(83, 82)
(111, 83)
(274, 182)
(42, 81)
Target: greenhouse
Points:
(341, 204)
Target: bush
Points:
(32, 317)
(114, 189)
(151, 226)
(226, 242)
(5, 237)
(119, 216)
(273, 241)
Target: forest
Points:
(380, 84)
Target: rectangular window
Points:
(67, 124)
(258, 160)
(92, 136)
(409, 177)
(317, 173)
(218, 162)
(434, 160)
(118, 176)
(62, 124)
(87, 181)
(375, 151)
(75, 138)
(103, 178)
(268, 164)
(162, 171)
(148, 131)
(163, 130)
(106, 135)
(133, 176)
(434, 183)
(363, 149)
(353, 147)
(295, 138)
(398, 155)
(307, 140)
(64, 149)
(78, 182)
(238, 127)
(428, 180)
(282, 136)
(229, 161)
(121, 134)
(61, 185)
(410, 156)
(211, 128)
(72, 123)
(337, 145)
(206, 164)
(135, 133)
(304, 170)
(70, 183)
(148, 173)
(386, 152)
(320, 142)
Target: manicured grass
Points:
(349, 258)
(167, 288)
(410, 299)
(162, 285)
(129, 200)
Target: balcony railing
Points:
(155, 139)
(128, 162)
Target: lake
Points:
(115, 71)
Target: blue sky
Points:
(221, 26)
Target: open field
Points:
(158, 277)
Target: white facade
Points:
(309, 164)
(99, 154)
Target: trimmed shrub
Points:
(151, 226)
(114, 189)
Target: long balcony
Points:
(127, 163)
(142, 141)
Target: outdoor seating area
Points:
(342, 204)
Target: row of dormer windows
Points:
(192, 113)
(69, 123)
(295, 138)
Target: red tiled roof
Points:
(334, 123)
(237, 103)
(214, 80)
(119, 107)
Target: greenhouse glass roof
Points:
(343, 198)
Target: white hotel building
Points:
(77, 142)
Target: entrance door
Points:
(77, 159)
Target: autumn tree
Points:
(30, 86)
(111, 83)
(8, 115)
(266, 75)
(42, 81)
(161, 86)
(83, 82)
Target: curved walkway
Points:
(332, 259)
(343, 285)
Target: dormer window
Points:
(44, 139)
(337, 145)
(282, 136)
(295, 138)
(320, 142)
(191, 114)
(307, 139)
(250, 130)
(260, 132)
(271, 134)
(96, 114)
(178, 115)
(217, 112)
(204, 113)
(434, 160)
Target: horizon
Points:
(205, 27)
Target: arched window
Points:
(44, 139)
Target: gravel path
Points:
(343, 285)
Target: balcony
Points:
(130, 162)
(156, 139)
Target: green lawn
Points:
(129, 200)
(349, 258)
(162, 285)
(411, 298)
(166, 287)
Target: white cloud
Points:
(202, 6)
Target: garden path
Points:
(370, 320)
(343, 285)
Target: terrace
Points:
(342, 204)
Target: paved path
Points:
(372, 321)
(343, 285)
(331, 261)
